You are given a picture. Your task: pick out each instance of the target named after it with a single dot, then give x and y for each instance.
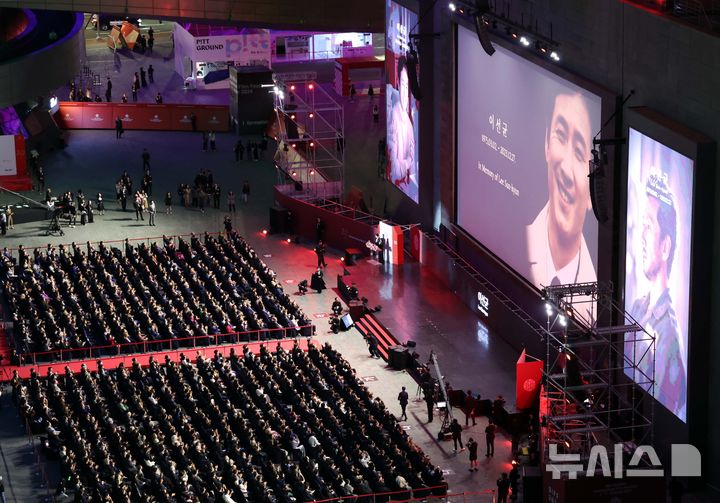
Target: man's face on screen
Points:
(653, 254)
(567, 152)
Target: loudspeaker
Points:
(483, 36)
(412, 61)
(597, 192)
(346, 322)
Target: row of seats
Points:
(99, 296)
(283, 426)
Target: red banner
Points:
(165, 117)
(528, 375)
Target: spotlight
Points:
(312, 172)
(292, 87)
(292, 116)
(289, 240)
(567, 444)
(294, 145)
(293, 173)
(311, 115)
(554, 56)
(548, 308)
(513, 34)
(342, 259)
(562, 320)
(311, 87)
(312, 144)
(452, 7)
(276, 89)
(524, 41)
(264, 231)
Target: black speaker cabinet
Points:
(278, 219)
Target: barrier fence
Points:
(129, 348)
(419, 495)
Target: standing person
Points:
(10, 220)
(227, 222)
(124, 98)
(490, 439)
(403, 399)
(469, 408)
(118, 128)
(168, 203)
(371, 92)
(41, 179)
(146, 159)
(2, 490)
(353, 92)
(238, 150)
(472, 446)
(245, 191)
(212, 140)
(514, 479)
(158, 98)
(134, 91)
(143, 80)
(216, 193)
(429, 402)
(231, 201)
(376, 113)
(108, 89)
(151, 73)
(503, 485)
(320, 250)
(151, 213)
(3, 223)
(150, 42)
(100, 204)
(319, 229)
(456, 431)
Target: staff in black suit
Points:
(320, 252)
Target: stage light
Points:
(548, 308)
(289, 240)
(311, 115)
(294, 173)
(292, 87)
(562, 320)
(525, 41)
(294, 145)
(513, 34)
(276, 89)
(554, 56)
(452, 7)
(342, 259)
(312, 144)
(264, 231)
(311, 87)
(312, 172)
(567, 444)
(292, 116)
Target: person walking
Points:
(320, 250)
(168, 203)
(472, 447)
(430, 403)
(245, 191)
(503, 487)
(490, 439)
(212, 140)
(456, 431)
(151, 73)
(231, 201)
(146, 159)
(403, 399)
(514, 478)
(100, 204)
(239, 149)
(150, 42)
(143, 80)
(151, 213)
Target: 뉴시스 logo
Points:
(685, 461)
(483, 304)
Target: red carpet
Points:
(368, 325)
(6, 371)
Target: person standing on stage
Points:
(469, 408)
(472, 446)
(245, 191)
(430, 402)
(503, 485)
(320, 252)
(456, 430)
(403, 399)
(490, 439)
(319, 229)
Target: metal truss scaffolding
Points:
(310, 135)
(596, 373)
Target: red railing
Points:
(465, 497)
(139, 347)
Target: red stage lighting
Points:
(264, 231)
(310, 86)
(292, 87)
(289, 240)
(342, 259)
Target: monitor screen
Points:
(657, 266)
(402, 109)
(524, 142)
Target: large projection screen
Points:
(657, 267)
(402, 109)
(524, 141)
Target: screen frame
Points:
(701, 150)
(413, 7)
(607, 109)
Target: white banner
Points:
(244, 49)
(8, 161)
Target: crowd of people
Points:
(283, 426)
(79, 297)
